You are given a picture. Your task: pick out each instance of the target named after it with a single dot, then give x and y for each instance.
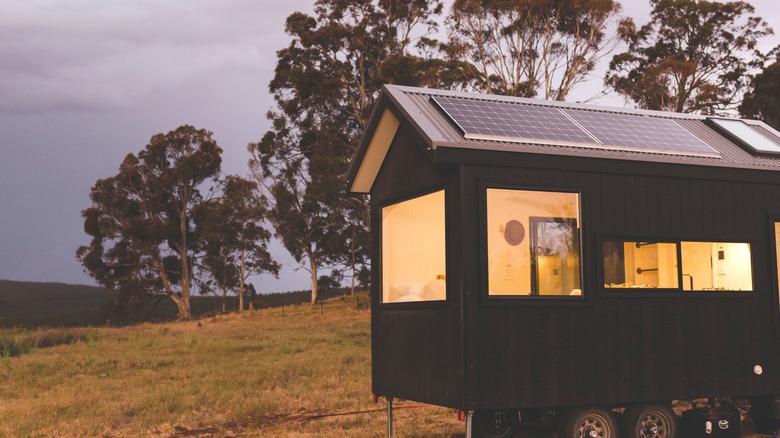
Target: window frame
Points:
(488, 300)
(634, 291)
(679, 291)
(774, 259)
(422, 304)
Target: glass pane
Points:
(640, 264)
(777, 254)
(533, 242)
(413, 250)
(716, 266)
(753, 138)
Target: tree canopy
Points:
(325, 84)
(531, 48)
(693, 56)
(146, 222)
(763, 100)
(236, 243)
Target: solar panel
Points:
(641, 133)
(542, 124)
(504, 121)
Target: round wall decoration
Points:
(514, 232)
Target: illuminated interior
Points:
(706, 266)
(717, 266)
(640, 265)
(777, 255)
(413, 250)
(533, 241)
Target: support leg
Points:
(469, 423)
(389, 417)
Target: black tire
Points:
(652, 420)
(494, 424)
(590, 423)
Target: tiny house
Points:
(537, 261)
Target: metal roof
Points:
(433, 126)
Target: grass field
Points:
(261, 374)
(297, 371)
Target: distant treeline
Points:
(33, 304)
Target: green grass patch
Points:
(264, 373)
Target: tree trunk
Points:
(241, 285)
(352, 290)
(183, 306)
(313, 270)
(185, 309)
(184, 303)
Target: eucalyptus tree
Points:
(144, 239)
(693, 56)
(531, 48)
(763, 100)
(236, 242)
(325, 84)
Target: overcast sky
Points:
(85, 82)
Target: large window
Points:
(413, 250)
(682, 265)
(533, 243)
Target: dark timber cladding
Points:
(629, 181)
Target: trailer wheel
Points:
(655, 420)
(495, 424)
(590, 423)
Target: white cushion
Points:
(435, 290)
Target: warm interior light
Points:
(536, 251)
(413, 250)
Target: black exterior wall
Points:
(417, 349)
(622, 346)
(609, 347)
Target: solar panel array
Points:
(481, 119)
(532, 123)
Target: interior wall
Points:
(509, 266)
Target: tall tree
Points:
(144, 241)
(236, 243)
(531, 48)
(763, 100)
(693, 56)
(325, 84)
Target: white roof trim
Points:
(376, 152)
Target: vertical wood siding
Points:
(612, 347)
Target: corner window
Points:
(413, 250)
(533, 243)
(682, 265)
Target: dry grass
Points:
(259, 374)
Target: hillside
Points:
(304, 373)
(31, 304)
(35, 304)
(299, 372)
